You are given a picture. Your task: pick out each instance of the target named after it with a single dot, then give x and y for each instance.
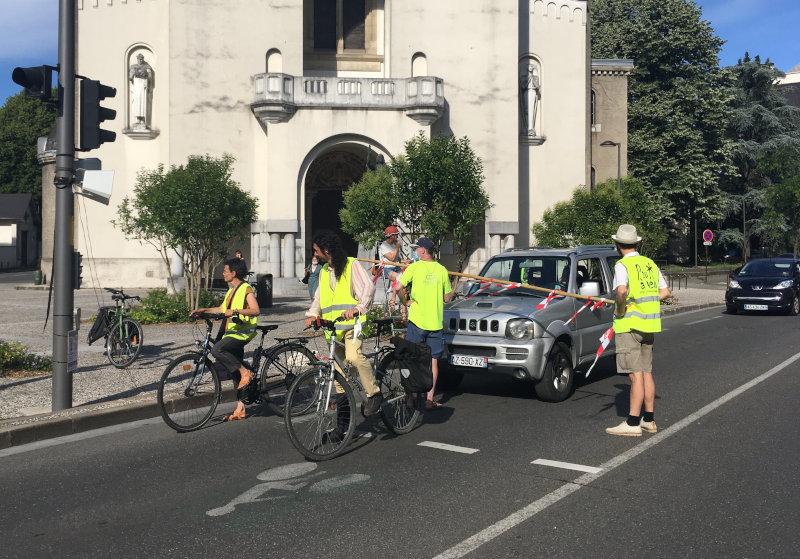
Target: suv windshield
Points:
(548, 272)
(767, 269)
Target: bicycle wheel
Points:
(325, 428)
(124, 343)
(395, 413)
(189, 392)
(280, 368)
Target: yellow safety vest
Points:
(334, 302)
(245, 330)
(643, 307)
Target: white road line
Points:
(450, 447)
(704, 320)
(486, 535)
(567, 465)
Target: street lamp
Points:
(619, 159)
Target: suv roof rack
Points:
(588, 248)
(519, 249)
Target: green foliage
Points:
(14, 355)
(159, 306)
(782, 214)
(22, 121)
(766, 135)
(678, 102)
(435, 188)
(368, 206)
(591, 217)
(196, 209)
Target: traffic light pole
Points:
(64, 224)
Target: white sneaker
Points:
(625, 430)
(649, 426)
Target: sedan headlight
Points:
(734, 284)
(519, 329)
(783, 285)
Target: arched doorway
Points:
(328, 176)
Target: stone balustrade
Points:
(278, 96)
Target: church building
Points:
(306, 94)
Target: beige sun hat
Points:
(626, 235)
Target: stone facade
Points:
(305, 100)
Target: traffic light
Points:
(92, 114)
(37, 81)
(77, 269)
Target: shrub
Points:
(14, 355)
(159, 306)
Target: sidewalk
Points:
(103, 395)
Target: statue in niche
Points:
(142, 78)
(529, 98)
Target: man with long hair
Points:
(345, 290)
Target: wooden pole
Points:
(500, 282)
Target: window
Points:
(590, 269)
(342, 35)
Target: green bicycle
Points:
(123, 334)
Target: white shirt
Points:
(621, 274)
(386, 248)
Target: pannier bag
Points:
(416, 374)
(100, 327)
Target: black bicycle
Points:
(190, 389)
(319, 414)
(123, 334)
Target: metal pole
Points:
(619, 166)
(63, 231)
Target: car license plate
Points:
(469, 361)
(756, 307)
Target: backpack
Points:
(100, 327)
(416, 374)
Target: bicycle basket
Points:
(416, 374)
(100, 327)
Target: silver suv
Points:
(500, 331)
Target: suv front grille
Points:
(471, 350)
(516, 353)
(474, 325)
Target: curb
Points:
(677, 309)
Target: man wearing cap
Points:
(430, 290)
(389, 251)
(639, 288)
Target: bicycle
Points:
(318, 416)
(123, 334)
(190, 391)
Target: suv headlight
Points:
(519, 329)
(734, 284)
(783, 285)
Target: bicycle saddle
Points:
(268, 328)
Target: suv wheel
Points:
(558, 380)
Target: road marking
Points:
(567, 465)
(78, 436)
(703, 320)
(450, 447)
(491, 532)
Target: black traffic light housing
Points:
(77, 269)
(37, 81)
(92, 114)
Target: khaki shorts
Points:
(634, 352)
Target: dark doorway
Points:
(325, 207)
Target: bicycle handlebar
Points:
(118, 294)
(207, 316)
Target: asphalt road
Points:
(718, 480)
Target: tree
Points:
(435, 188)
(195, 209)
(763, 129)
(782, 214)
(591, 217)
(677, 99)
(22, 121)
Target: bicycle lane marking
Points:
(450, 447)
(498, 528)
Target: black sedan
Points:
(767, 284)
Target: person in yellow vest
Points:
(639, 288)
(229, 351)
(345, 290)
